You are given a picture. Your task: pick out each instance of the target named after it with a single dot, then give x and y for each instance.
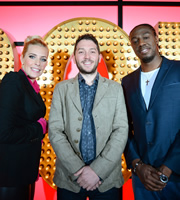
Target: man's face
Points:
(144, 43)
(87, 56)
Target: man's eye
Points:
(134, 41)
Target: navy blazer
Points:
(20, 133)
(156, 138)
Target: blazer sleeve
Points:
(110, 156)
(15, 128)
(173, 157)
(131, 152)
(58, 138)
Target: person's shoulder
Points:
(11, 76)
(170, 61)
(11, 82)
(109, 81)
(112, 84)
(173, 64)
(131, 76)
(64, 83)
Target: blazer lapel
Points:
(159, 80)
(137, 86)
(29, 88)
(101, 90)
(74, 93)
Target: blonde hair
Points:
(33, 40)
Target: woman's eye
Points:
(43, 59)
(31, 56)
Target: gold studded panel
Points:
(117, 53)
(169, 39)
(118, 56)
(8, 54)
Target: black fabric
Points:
(25, 192)
(112, 194)
(20, 133)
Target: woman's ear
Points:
(21, 58)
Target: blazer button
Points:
(80, 118)
(76, 141)
(78, 129)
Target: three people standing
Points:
(88, 124)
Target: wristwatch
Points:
(163, 178)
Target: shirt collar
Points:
(81, 79)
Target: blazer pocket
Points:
(176, 84)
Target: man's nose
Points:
(141, 42)
(86, 55)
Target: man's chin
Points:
(87, 72)
(92, 71)
(147, 59)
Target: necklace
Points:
(147, 82)
(148, 75)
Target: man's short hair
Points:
(147, 25)
(87, 37)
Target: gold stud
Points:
(80, 22)
(94, 22)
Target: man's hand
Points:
(87, 179)
(149, 176)
(165, 170)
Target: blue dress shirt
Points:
(88, 132)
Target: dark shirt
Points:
(88, 132)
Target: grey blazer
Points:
(65, 122)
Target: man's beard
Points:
(83, 71)
(148, 59)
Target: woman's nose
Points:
(37, 61)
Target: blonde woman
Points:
(21, 122)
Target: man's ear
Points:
(73, 57)
(100, 56)
(157, 40)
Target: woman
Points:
(21, 122)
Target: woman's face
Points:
(34, 61)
